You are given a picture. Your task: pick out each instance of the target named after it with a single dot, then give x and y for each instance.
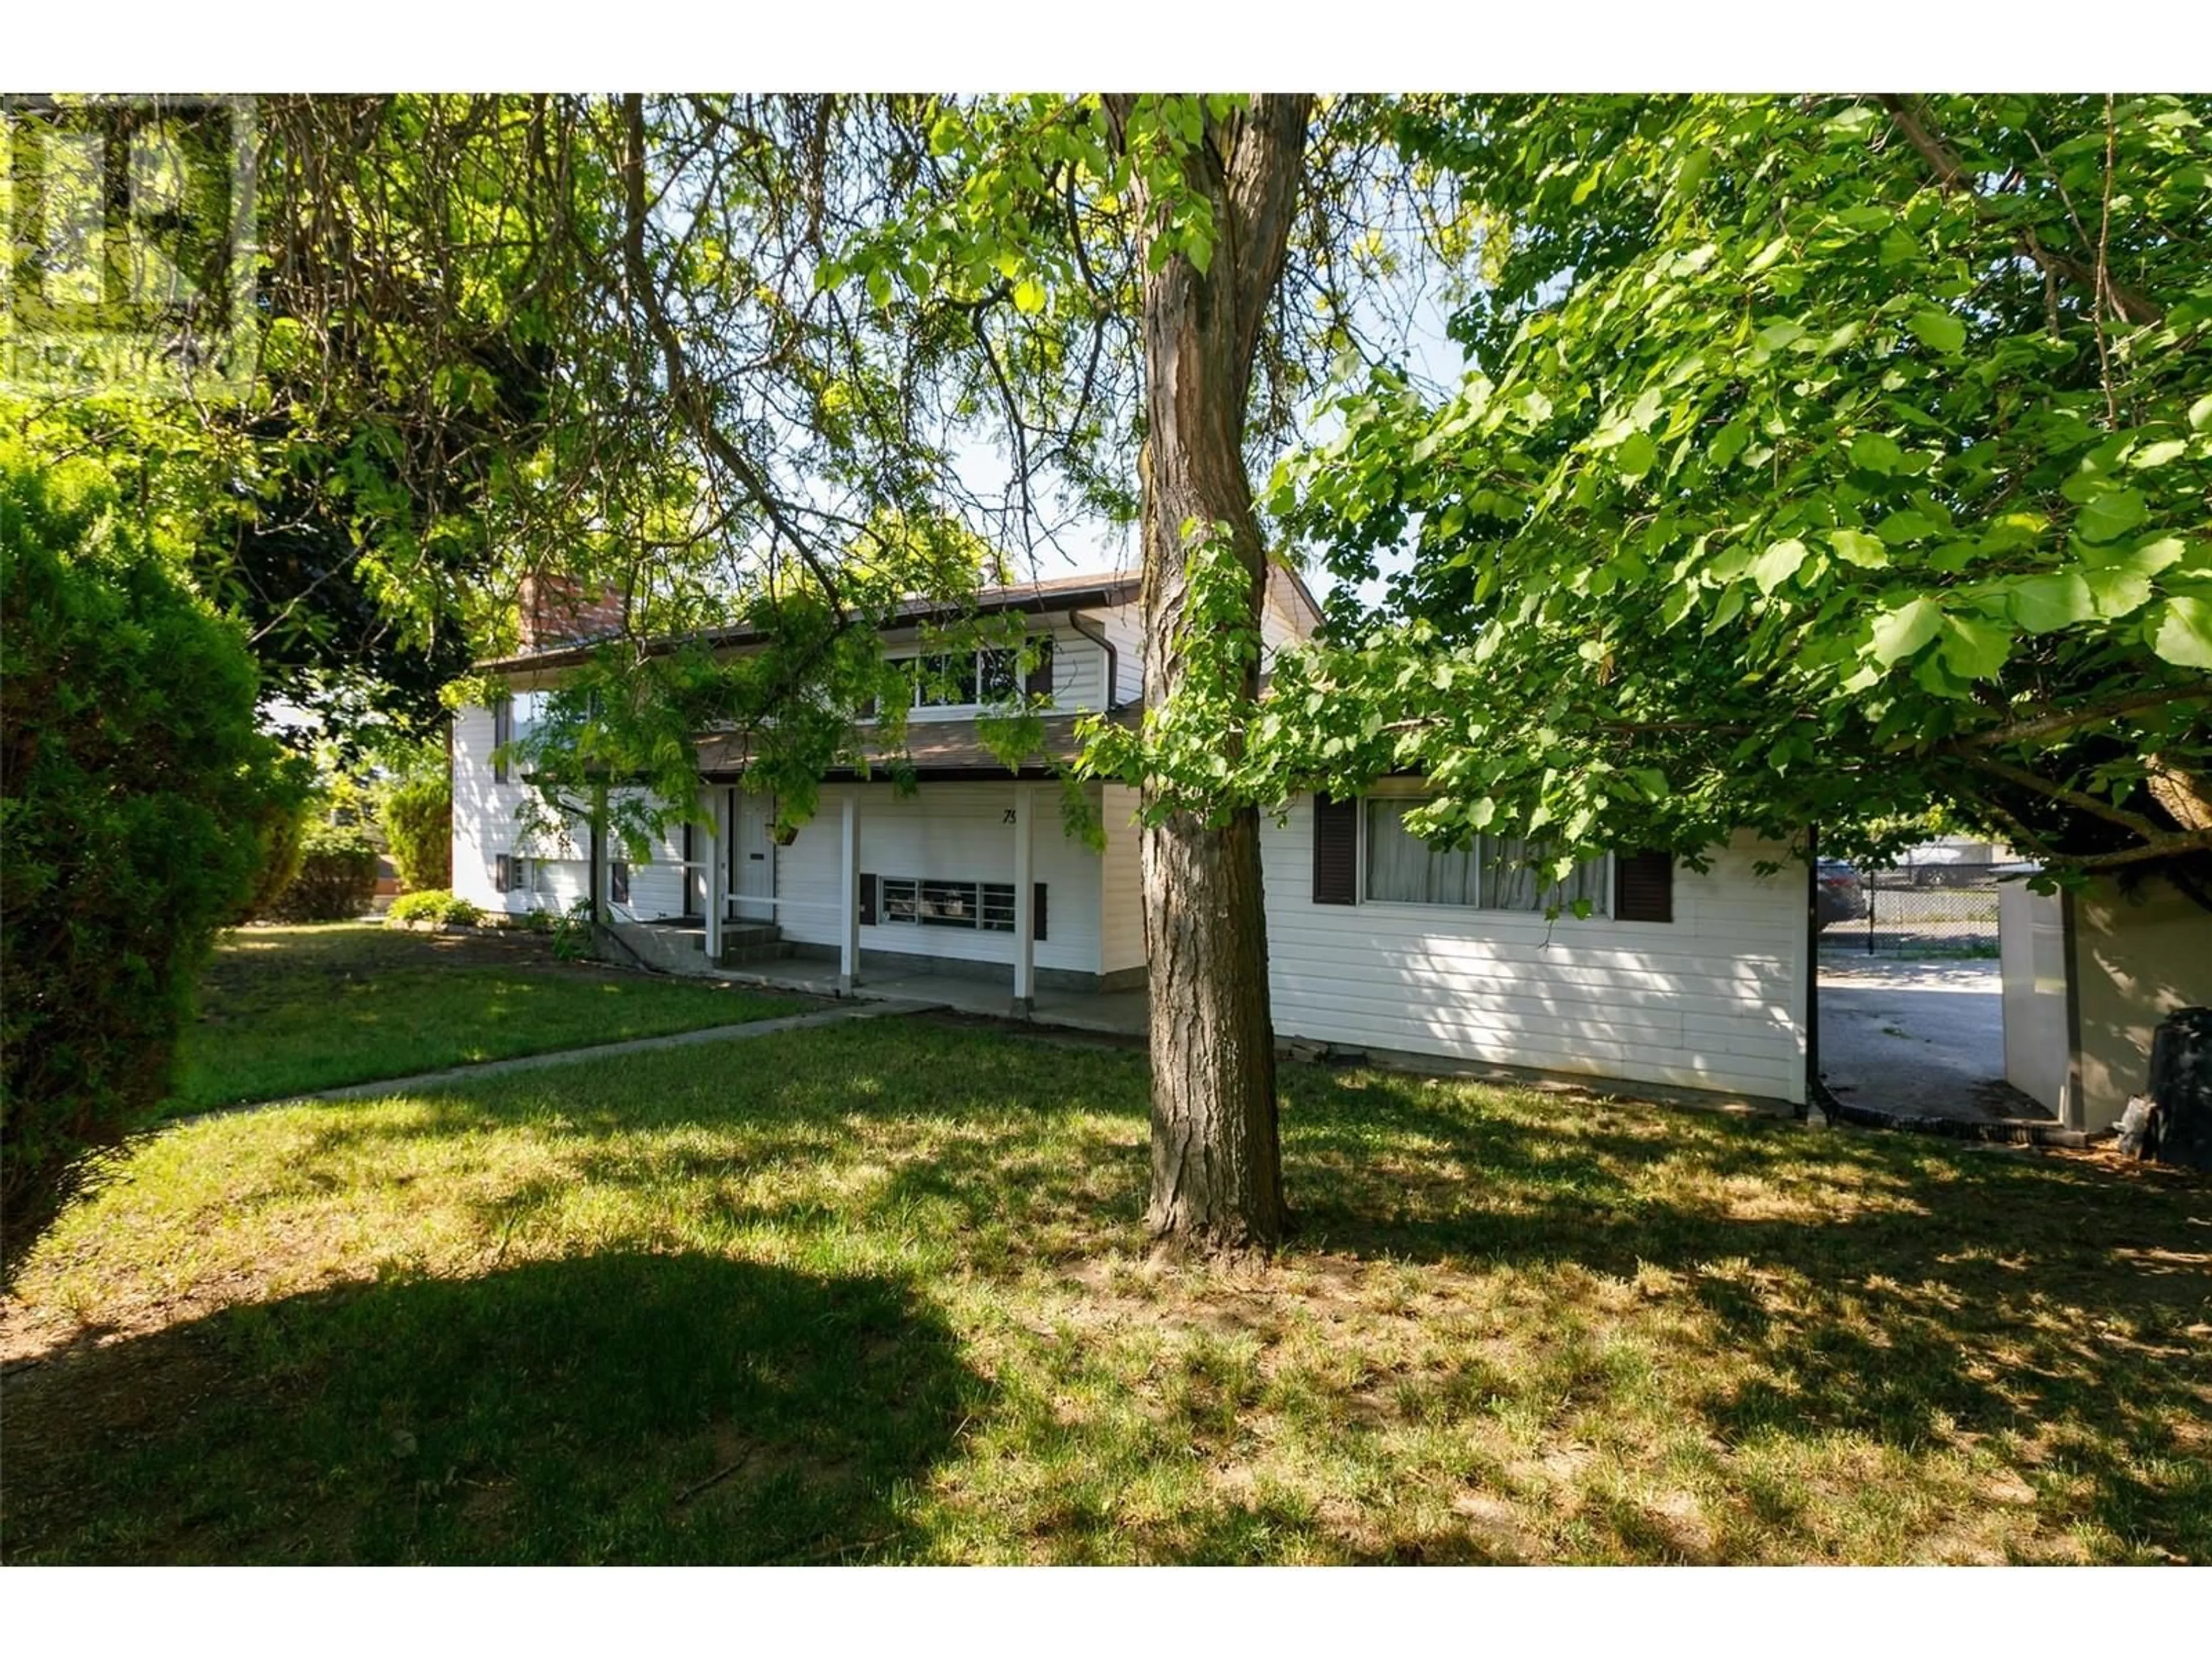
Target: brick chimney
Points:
(554, 612)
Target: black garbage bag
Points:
(2181, 1090)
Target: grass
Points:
(879, 1293)
(285, 1010)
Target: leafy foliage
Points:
(416, 811)
(337, 878)
(280, 829)
(131, 760)
(1821, 461)
(434, 905)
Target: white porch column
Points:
(718, 871)
(1024, 906)
(848, 931)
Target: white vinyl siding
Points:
(1713, 1000)
(485, 826)
(1124, 626)
(1122, 882)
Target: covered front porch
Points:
(959, 882)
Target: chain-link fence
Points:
(1931, 909)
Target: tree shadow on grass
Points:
(626, 1407)
(1909, 1292)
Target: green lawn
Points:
(879, 1291)
(287, 1010)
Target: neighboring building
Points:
(1376, 942)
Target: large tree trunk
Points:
(1217, 1170)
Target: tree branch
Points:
(1952, 174)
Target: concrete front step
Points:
(680, 948)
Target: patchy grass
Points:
(879, 1291)
(285, 1010)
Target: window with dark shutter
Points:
(1335, 851)
(503, 872)
(1040, 678)
(1644, 887)
(867, 901)
(1036, 910)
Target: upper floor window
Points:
(1491, 874)
(970, 679)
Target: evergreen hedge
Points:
(133, 782)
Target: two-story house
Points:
(1377, 940)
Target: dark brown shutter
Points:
(1335, 851)
(503, 872)
(1036, 909)
(867, 901)
(1040, 679)
(1646, 887)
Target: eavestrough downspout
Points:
(1081, 625)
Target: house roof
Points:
(933, 749)
(1106, 589)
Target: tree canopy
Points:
(1819, 460)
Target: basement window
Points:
(913, 901)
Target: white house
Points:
(1376, 940)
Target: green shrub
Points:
(279, 829)
(416, 812)
(135, 782)
(576, 939)
(337, 878)
(434, 905)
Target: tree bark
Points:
(1216, 1167)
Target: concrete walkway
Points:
(1917, 1038)
(481, 1069)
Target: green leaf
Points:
(1909, 525)
(1728, 609)
(1939, 331)
(1635, 456)
(1857, 547)
(2158, 454)
(2110, 513)
(1972, 649)
(1900, 632)
(2042, 604)
(2200, 413)
(2184, 635)
(1871, 452)
(1029, 296)
(2118, 590)
(1777, 564)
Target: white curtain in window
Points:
(1509, 882)
(1403, 869)
(1494, 874)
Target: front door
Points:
(752, 857)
